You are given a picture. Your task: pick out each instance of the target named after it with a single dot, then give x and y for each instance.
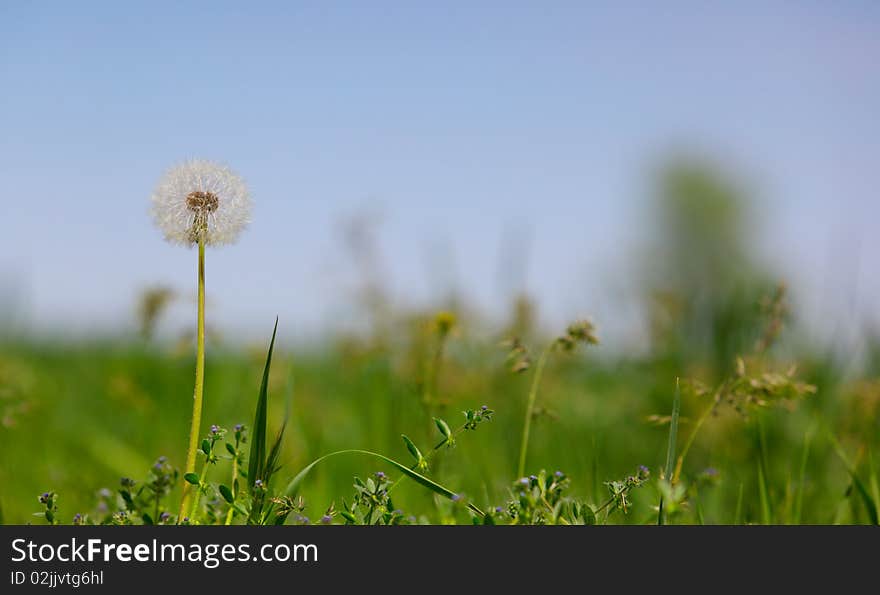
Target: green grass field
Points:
(78, 417)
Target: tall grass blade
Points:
(670, 448)
(802, 481)
(257, 459)
(872, 476)
(737, 516)
(766, 510)
(869, 502)
(766, 516)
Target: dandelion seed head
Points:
(201, 198)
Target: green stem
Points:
(231, 511)
(202, 481)
(428, 456)
(611, 501)
(690, 442)
(200, 384)
(530, 406)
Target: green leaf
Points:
(444, 429)
(226, 493)
(148, 520)
(293, 487)
(412, 448)
(192, 478)
(206, 446)
(231, 449)
(589, 515)
(257, 461)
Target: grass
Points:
(96, 411)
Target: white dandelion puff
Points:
(201, 199)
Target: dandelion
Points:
(205, 204)
(201, 201)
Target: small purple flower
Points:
(239, 427)
(484, 408)
(498, 510)
(533, 477)
(185, 519)
(44, 497)
(524, 481)
(215, 429)
(559, 475)
(711, 472)
(397, 512)
(258, 484)
(326, 519)
(164, 517)
(77, 519)
(162, 460)
(644, 470)
(457, 498)
(380, 476)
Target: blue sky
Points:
(467, 129)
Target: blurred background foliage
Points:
(77, 416)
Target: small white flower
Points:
(201, 198)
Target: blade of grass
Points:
(294, 485)
(872, 477)
(670, 448)
(737, 517)
(257, 458)
(594, 467)
(802, 483)
(766, 511)
(766, 517)
(867, 500)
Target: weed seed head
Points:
(201, 200)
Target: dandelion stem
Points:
(200, 383)
(530, 406)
